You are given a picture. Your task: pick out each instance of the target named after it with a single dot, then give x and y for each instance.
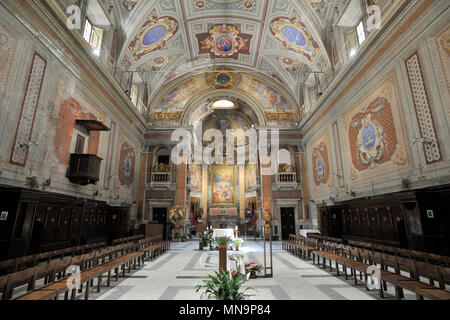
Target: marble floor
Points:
(174, 275)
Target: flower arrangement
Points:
(223, 242)
(237, 242)
(253, 267)
(224, 287)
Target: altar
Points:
(220, 233)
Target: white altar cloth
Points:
(219, 233)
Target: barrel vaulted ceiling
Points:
(283, 39)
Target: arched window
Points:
(163, 156)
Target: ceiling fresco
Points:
(274, 106)
(281, 39)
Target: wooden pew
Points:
(95, 265)
(16, 264)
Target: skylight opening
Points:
(223, 104)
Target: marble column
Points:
(305, 188)
(242, 192)
(204, 201)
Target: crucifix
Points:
(32, 168)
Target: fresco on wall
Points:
(223, 186)
(153, 35)
(320, 163)
(196, 177)
(178, 97)
(127, 162)
(442, 42)
(374, 133)
(251, 177)
(8, 46)
(70, 111)
(263, 93)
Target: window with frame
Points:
(94, 36)
(361, 32)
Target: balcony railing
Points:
(84, 169)
(161, 179)
(287, 179)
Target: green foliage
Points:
(222, 241)
(205, 239)
(224, 287)
(237, 242)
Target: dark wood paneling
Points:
(41, 221)
(399, 219)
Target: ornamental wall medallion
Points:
(295, 36)
(370, 142)
(321, 172)
(153, 36)
(372, 134)
(224, 41)
(177, 216)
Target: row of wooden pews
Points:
(127, 239)
(17, 264)
(58, 277)
(404, 269)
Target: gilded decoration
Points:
(167, 116)
(280, 116)
(224, 41)
(177, 216)
(223, 79)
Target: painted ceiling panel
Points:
(169, 38)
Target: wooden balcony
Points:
(84, 169)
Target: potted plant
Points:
(204, 240)
(252, 268)
(227, 286)
(237, 242)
